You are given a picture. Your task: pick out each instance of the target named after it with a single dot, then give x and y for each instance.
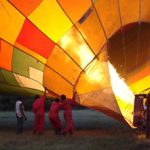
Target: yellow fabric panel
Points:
(140, 85)
(75, 8)
(136, 75)
(145, 10)
(63, 64)
(36, 74)
(11, 22)
(50, 19)
(30, 52)
(6, 51)
(94, 78)
(56, 83)
(27, 82)
(92, 31)
(109, 15)
(74, 44)
(129, 11)
(126, 111)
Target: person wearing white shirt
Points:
(20, 115)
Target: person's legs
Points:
(71, 131)
(57, 126)
(36, 124)
(52, 120)
(19, 125)
(69, 126)
(66, 129)
(41, 124)
(56, 123)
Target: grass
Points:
(110, 135)
(88, 139)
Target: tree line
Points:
(7, 103)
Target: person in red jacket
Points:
(54, 115)
(38, 109)
(67, 104)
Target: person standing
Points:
(68, 104)
(38, 110)
(54, 115)
(20, 115)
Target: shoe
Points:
(56, 131)
(34, 132)
(40, 133)
(64, 133)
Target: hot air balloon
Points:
(98, 48)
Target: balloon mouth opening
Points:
(128, 48)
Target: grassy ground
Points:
(93, 131)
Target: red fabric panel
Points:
(32, 38)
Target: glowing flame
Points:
(124, 96)
(85, 55)
(77, 49)
(96, 72)
(65, 41)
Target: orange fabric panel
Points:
(112, 114)
(88, 27)
(75, 8)
(11, 21)
(6, 52)
(145, 9)
(129, 11)
(26, 7)
(109, 15)
(56, 83)
(59, 61)
(103, 98)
